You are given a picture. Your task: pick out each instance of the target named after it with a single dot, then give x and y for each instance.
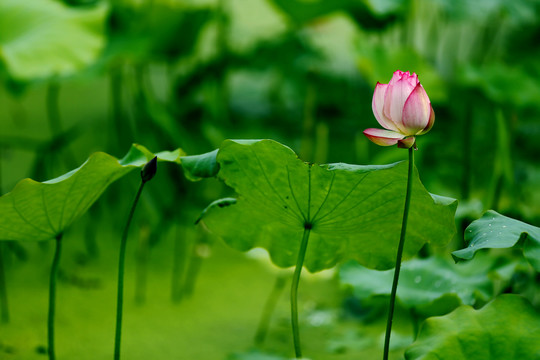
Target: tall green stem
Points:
(141, 267)
(198, 252)
(4, 307)
(399, 254)
(467, 153)
(4, 312)
(147, 173)
(179, 265)
(120, 136)
(52, 296)
(121, 262)
(269, 308)
(53, 111)
(294, 291)
(55, 126)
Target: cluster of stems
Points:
(147, 173)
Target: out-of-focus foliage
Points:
(431, 286)
(494, 231)
(46, 39)
(80, 76)
(507, 328)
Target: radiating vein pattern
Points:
(36, 211)
(352, 211)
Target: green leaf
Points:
(46, 38)
(148, 31)
(354, 211)
(502, 83)
(201, 166)
(507, 328)
(495, 231)
(36, 211)
(432, 284)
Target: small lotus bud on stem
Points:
(149, 170)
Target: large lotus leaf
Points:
(425, 282)
(36, 211)
(495, 231)
(352, 211)
(506, 328)
(46, 38)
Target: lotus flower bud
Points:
(403, 108)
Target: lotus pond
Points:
(269, 180)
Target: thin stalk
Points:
(294, 291)
(147, 173)
(467, 154)
(199, 251)
(53, 110)
(121, 133)
(415, 319)
(399, 254)
(141, 268)
(222, 46)
(4, 304)
(90, 243)
(52, 296)
(55, 125)
(179, 266)
(139, 96)
(269, 308)
(308, 122)
(121, 262)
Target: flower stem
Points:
(199, 251)
(294, 291)
(4, 312)
(4, 307)
(399, 254)
(52, 296)
(269, 307)
(121, 262)
(53, 111)
(119, 136)
(180, 261)
(147, 173)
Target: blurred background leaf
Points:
(81, 76)
(509, 324)
(432, 286)
(47, 39)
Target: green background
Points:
(80, 76)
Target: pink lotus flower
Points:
(403, 108)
